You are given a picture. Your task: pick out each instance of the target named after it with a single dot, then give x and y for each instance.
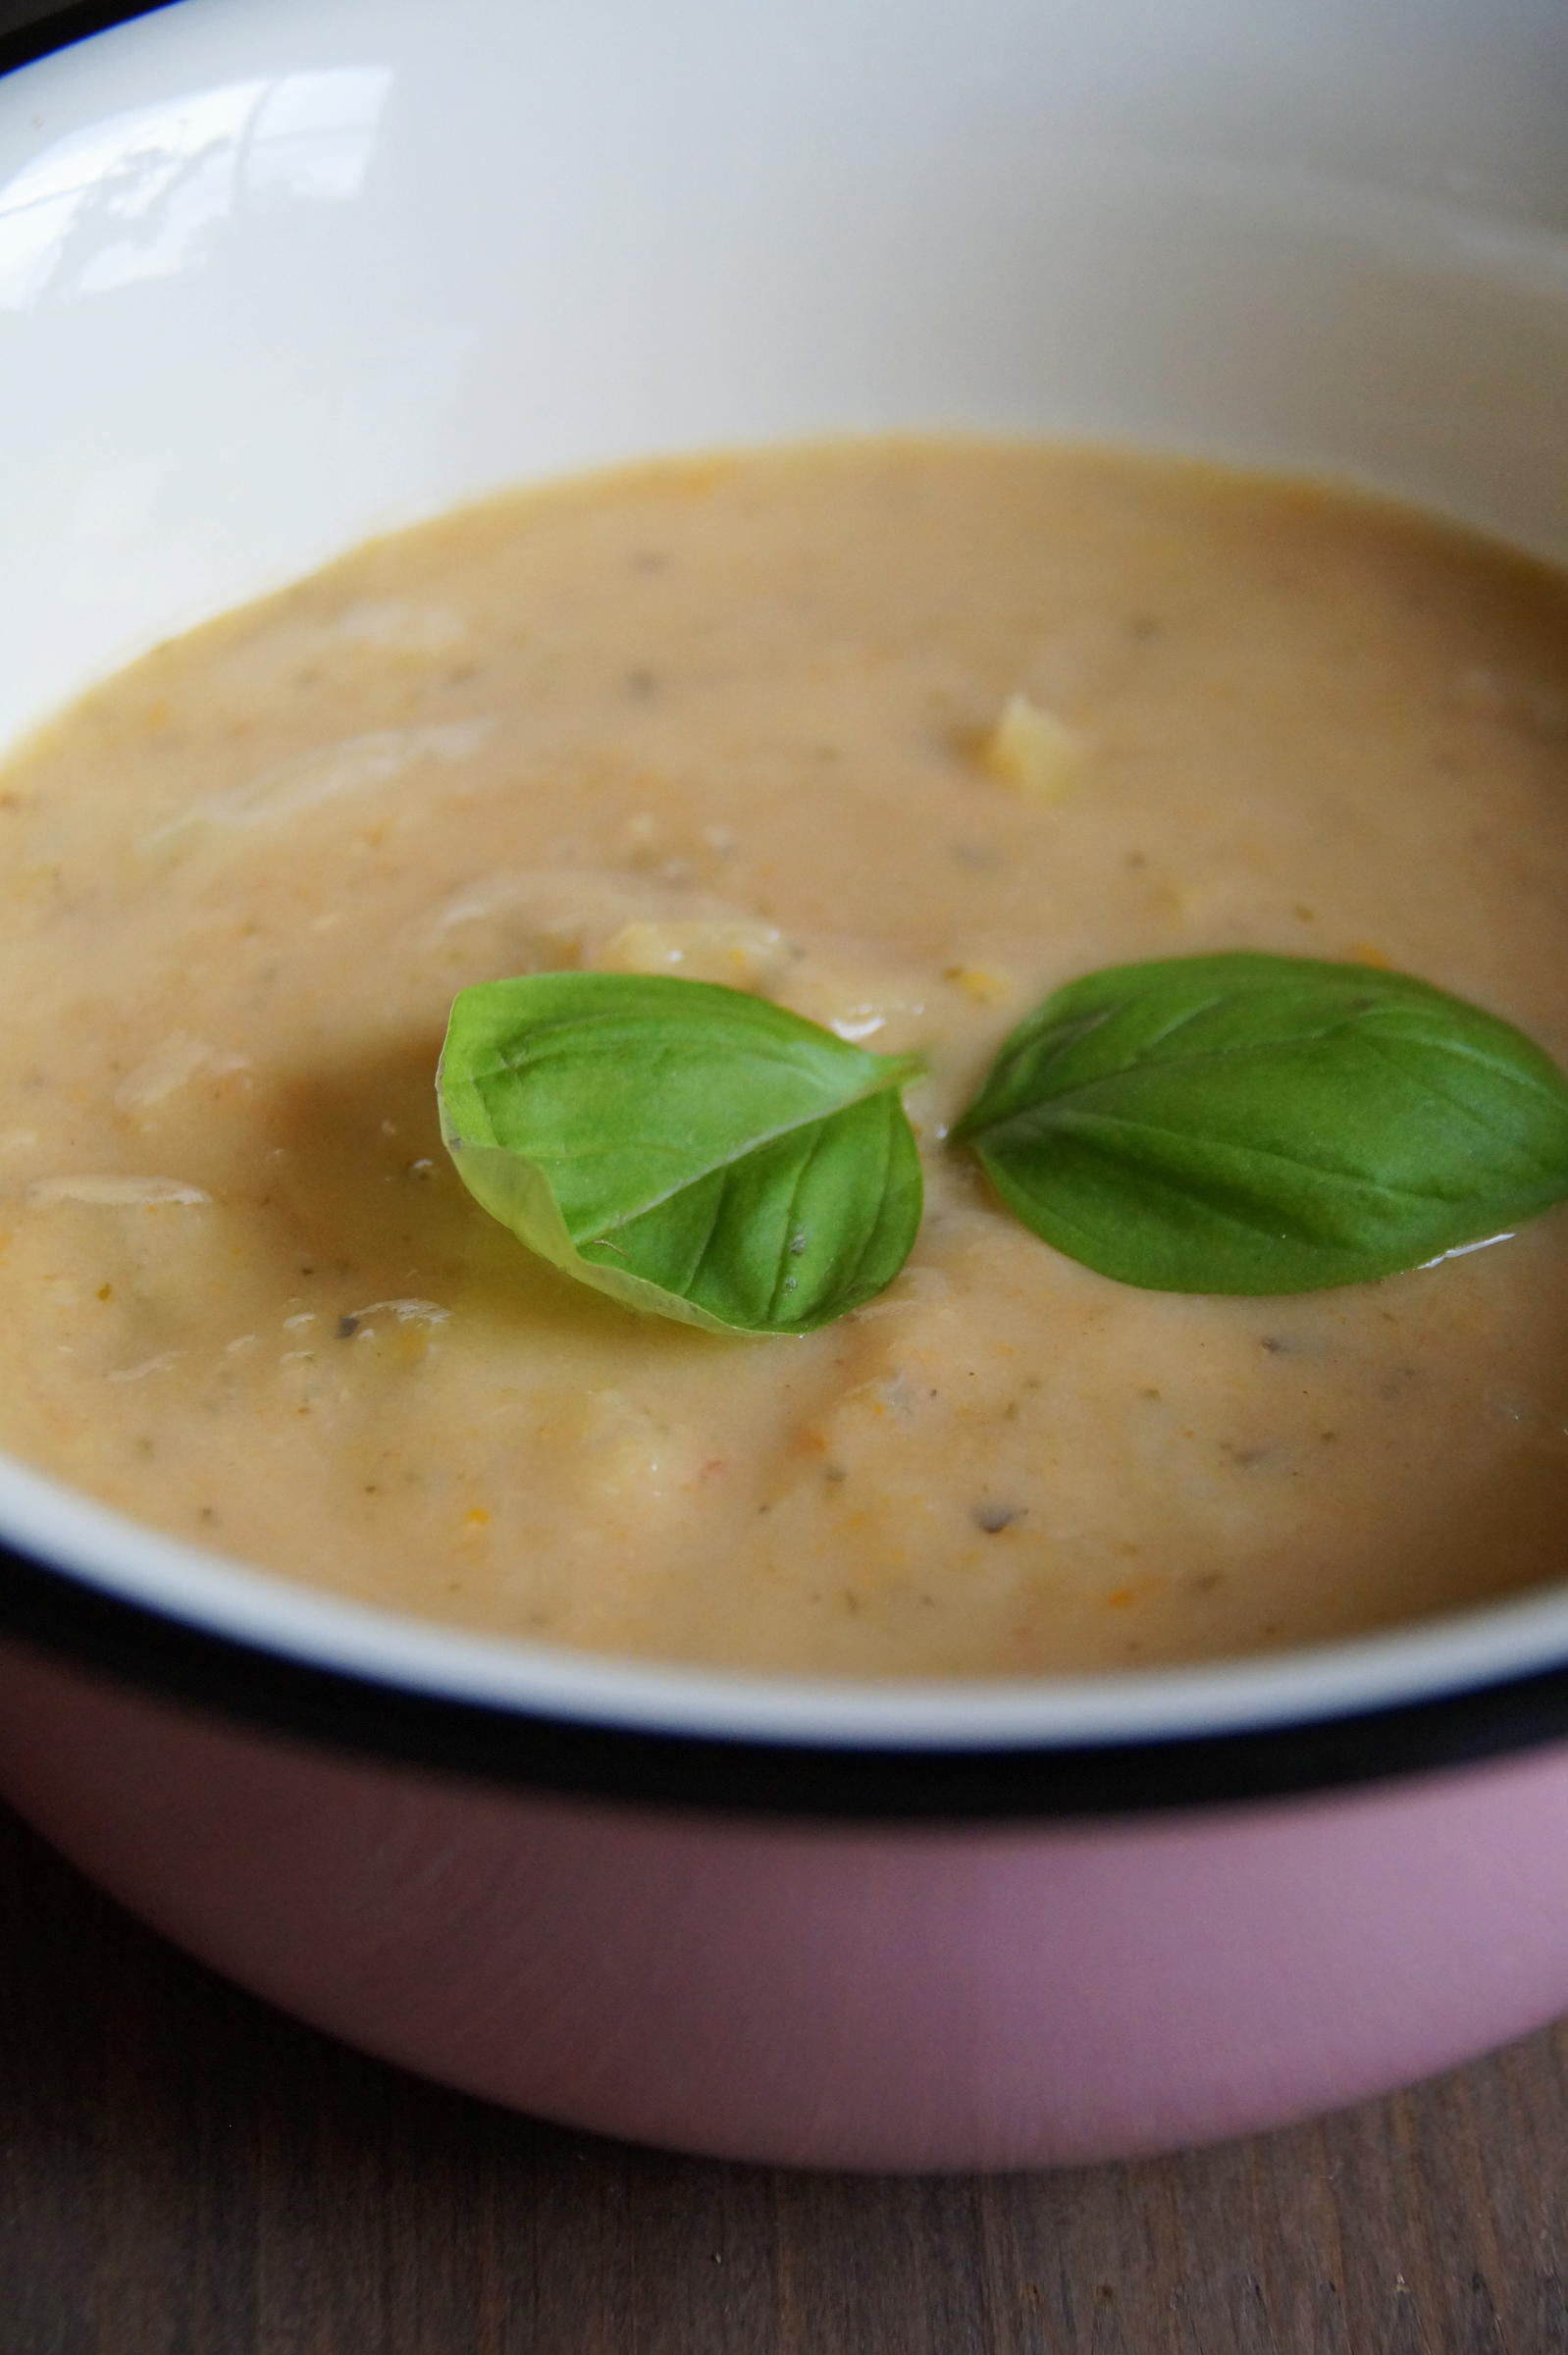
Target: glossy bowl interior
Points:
(276, 275)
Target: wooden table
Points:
(184, 2173)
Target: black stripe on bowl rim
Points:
(59, 28)
(533, 1750)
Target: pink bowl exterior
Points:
(817, 1995)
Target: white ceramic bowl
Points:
(275, 274)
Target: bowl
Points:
(279, 274)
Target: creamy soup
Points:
(901, 735)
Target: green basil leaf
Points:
(1255, 1123)
(694, 1152)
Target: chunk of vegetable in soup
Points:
(902, 736)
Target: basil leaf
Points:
(1255, 1123)
(694, 1152)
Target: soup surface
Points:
(739, 720)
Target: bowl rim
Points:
(89, 1585)
(147, 1610)
(591, 1756)
(78, 20)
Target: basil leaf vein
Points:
(1245, 1123)
(695, 1152)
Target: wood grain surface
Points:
(184, 2173)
